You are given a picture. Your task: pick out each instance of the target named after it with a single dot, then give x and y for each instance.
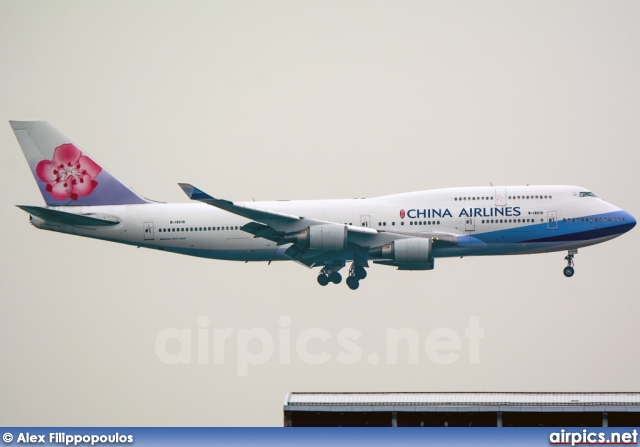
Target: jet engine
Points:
(407, 254)
(330, 237)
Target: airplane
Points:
(407, 231)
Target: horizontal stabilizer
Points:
(67, 218)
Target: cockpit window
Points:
(587, 194)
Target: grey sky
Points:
(304, 100)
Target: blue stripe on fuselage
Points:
(569, 230)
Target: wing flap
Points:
(263, 231)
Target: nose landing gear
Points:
(569, 270)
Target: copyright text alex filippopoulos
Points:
(61, 438)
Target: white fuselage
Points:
(486, 221)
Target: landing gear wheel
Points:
(323, 279)
(359, 272)
(335, 278)
(568, 270)
(353, 282)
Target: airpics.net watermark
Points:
(313, 346)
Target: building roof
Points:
(461, 399)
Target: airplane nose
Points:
(631, 221)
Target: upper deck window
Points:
(587, 194)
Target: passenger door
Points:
(148, 231)
(469, 224)
(501, 197)
(552, 220)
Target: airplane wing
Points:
(242, 210)
(284, 228)
(278, 221)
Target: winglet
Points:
(194, 193)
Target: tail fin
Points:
(66, 175)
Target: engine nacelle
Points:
(409, 254)
(328, 237)
(320, 237)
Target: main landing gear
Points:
(356, 273)
(569, 270)
(324, 278)
(330, 274)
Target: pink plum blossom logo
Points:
(402, 214)
(69, 174)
